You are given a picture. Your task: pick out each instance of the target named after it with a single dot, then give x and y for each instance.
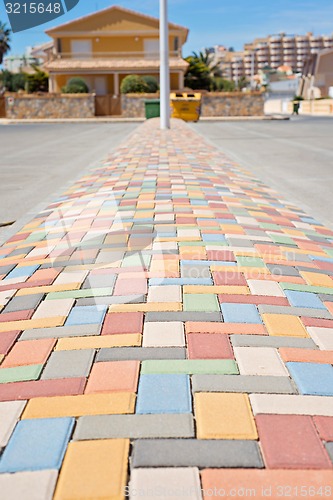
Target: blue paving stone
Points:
(213, 237)
(18, 272)
(180, 281)
(37, 444)
(240, 313)
(323, 259)
(312, 378)
(86, 315)
(304, 299)
(164, 394)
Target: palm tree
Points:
(207, 58)
(4, 40)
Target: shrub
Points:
(222, 85)
(133, 84)
(37, 81)
(13, 82)
(76, 86)
(151, 83)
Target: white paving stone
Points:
(259, 361)
(10, 412)
(291, 405)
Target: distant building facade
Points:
(273, 51)
(317, 76)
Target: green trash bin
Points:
(152, 107)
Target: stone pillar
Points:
(116, 84)
(52, 84)
(180, 80)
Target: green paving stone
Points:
(20, 373)
(191, 366)
(201, 302)
(329, 252)
(80, 294)
(136, 261)
(250, 262)
(307, 288)
(37, 237)
(285, 240)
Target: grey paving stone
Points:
(325, 298)
(61, 331)
(297, 257)
(23, 302)
(239, 242)
(282, 270)
(196, 453)
(6, 269)
(66, 364)
(184, 316)
(134, 426)
(192, 271)
(329, 448)
(314, 270)
(108, 300)
(243, 383)
(270, 341)
(295, 311)
(140, 353)
(99, 281)
(20, 251)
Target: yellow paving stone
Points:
(249, 271)
(231, 229)
(49, 288)
(147, 307)
(224, 416)
(99, 342)
(29, 324)
(94, 470)
(284, 325)
(231, 290)
(78, 406)
(317, 279)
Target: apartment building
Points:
(274, 51)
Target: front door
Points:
(101, 85)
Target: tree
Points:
(133, 84)
(37, 81)
(4, 40)
(202, 71)
(76, 85)
(13, 82)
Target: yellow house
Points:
(104, 47)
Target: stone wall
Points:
(19, 106)
(133, 105)
(213, 104)
(233, 104)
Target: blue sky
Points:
(230, 23)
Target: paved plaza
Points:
(166, 331)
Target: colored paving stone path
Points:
(166, 331)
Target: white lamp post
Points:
(164, 66)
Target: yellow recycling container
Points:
(186, 106)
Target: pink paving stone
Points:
(229, 278)
(29, 352)
(125, 286)
(48, 275)
(42, 388)
(324, 427)
(16, 316)
(209, 346)
(7, 339)
(113, 376)
(131, 322)
(254, 299)
(321, 323)
(291, 442)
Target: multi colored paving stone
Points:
(166, 331)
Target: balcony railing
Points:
(113, 55)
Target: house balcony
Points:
(112, 55)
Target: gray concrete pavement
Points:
(38, 159)
(294, 157)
